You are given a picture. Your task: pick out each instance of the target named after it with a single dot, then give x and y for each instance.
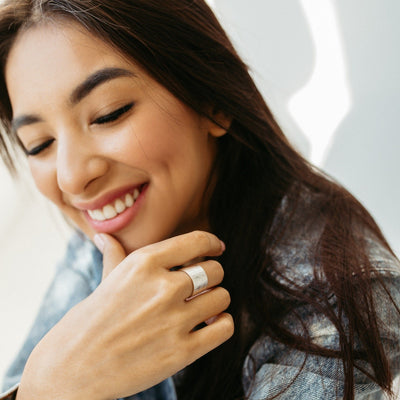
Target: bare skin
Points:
(89, 145)
(136, 329)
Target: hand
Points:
(136, 328)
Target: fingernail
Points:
(99, 242)
(223, 247)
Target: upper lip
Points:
(106, 198)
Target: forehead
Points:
(52, 58)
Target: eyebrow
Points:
(23, 120)
(79, 93)
(96, 79)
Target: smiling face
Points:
(113, 149)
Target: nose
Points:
(79, 163)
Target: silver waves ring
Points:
(198, 276)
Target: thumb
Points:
(113, 252)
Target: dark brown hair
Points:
(182, 46)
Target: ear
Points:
(221, 125)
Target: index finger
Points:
(181, 249)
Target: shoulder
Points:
(272, 367)
(296, 255)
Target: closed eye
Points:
(38, 149)
(113, 116)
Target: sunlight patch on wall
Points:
(321, 105)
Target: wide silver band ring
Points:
(198, 276)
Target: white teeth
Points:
(97, 215)
(110, 211)
(119, 206)
(129, 200)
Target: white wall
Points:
(32, 239)
(330, 71)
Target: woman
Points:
(141, 123)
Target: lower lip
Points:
(121, 220)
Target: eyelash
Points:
(111, 117)
(36, 150)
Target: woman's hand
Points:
(136, 328)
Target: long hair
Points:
(181, 45)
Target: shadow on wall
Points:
(356, 143)
(364, 152)
(275, 41)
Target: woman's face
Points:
(114, 150)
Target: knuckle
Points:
(167, 286)
(225, 296)
(195, 348)
(173, 355)
(202, 238)
(145, 257)
(189, 349)
(227, 325)
(217, 267)
(214, 264)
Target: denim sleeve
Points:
(273, 369)
(76, 277)
(10, 394)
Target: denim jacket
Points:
(270, 366)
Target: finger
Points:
(213, 270)
(206, 306)
(113, 252)
(181, 249)
(211, 336)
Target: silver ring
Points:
(198, 276)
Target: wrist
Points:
(45, 378)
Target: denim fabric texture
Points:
(270, 366)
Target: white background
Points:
(330, 72)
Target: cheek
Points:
(46, 182)
(150, 143)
